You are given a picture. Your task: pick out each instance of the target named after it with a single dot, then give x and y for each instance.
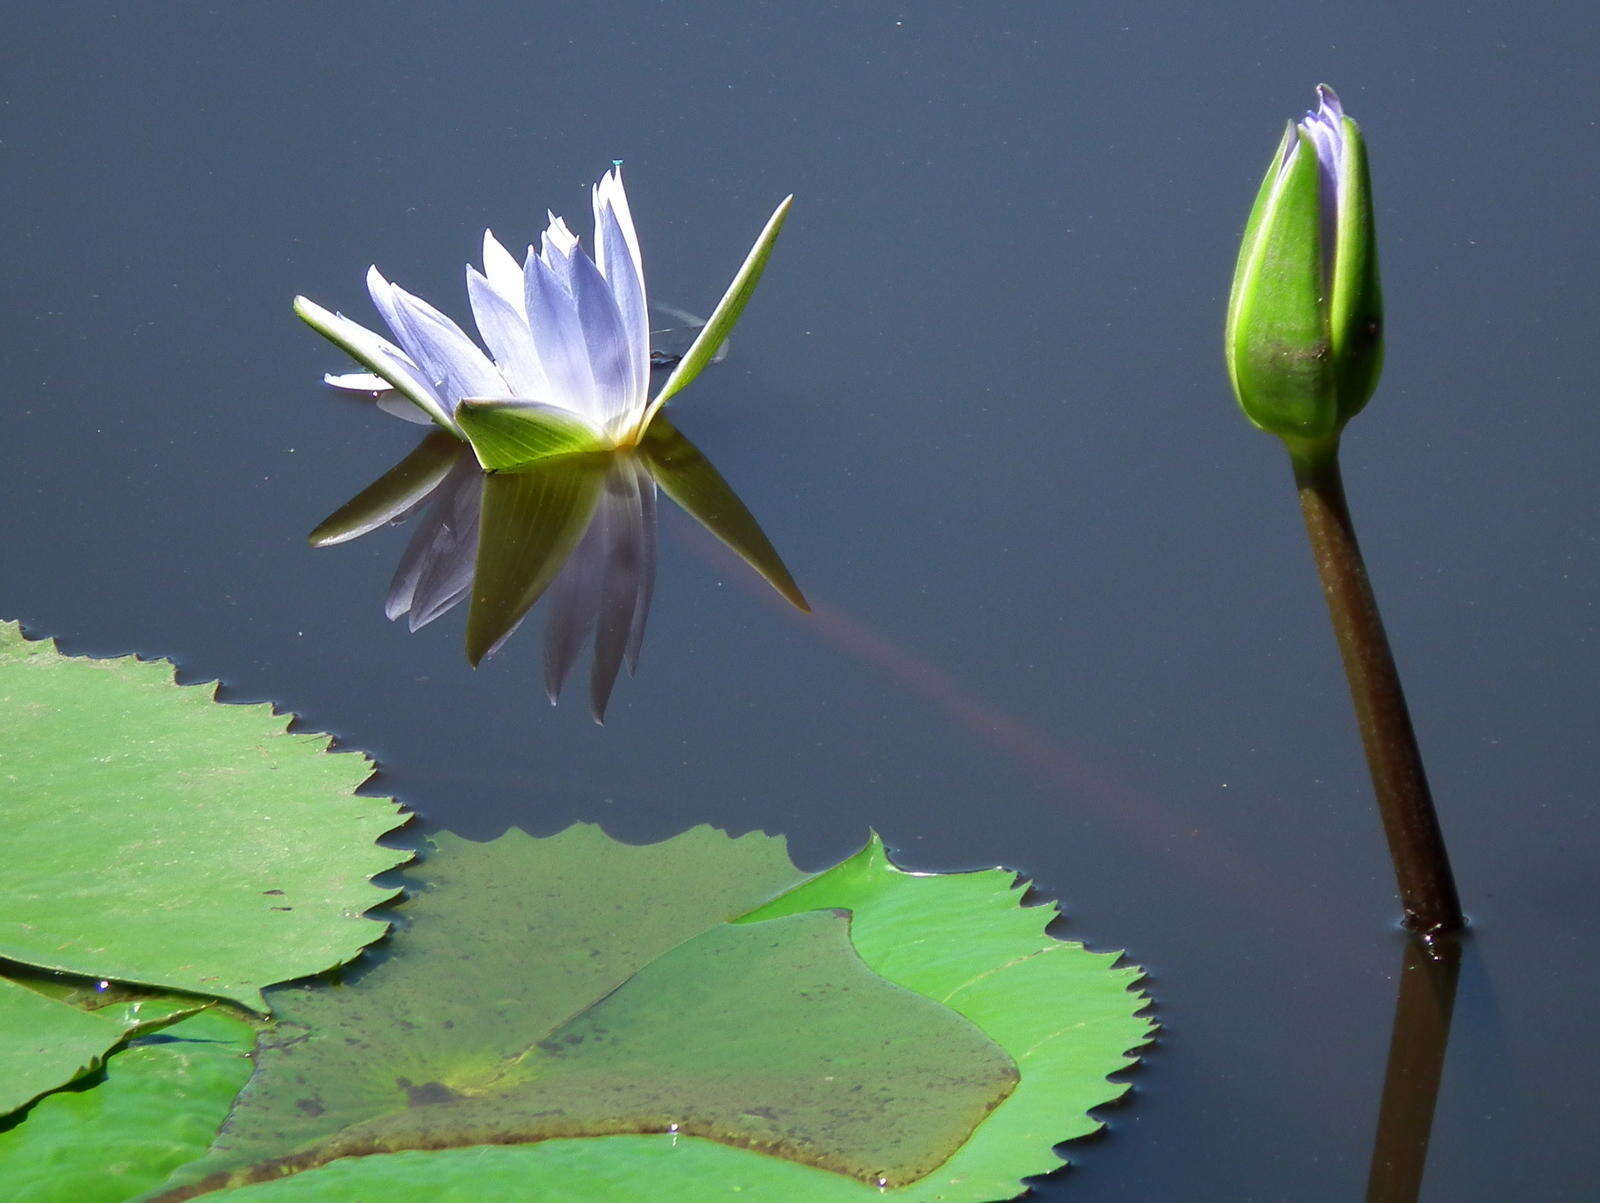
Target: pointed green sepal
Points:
(727, 312)
(1252, 228)
(371, 352)
(510, 434)
(1278, 352)
(1355, 322)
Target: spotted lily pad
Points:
(573, 1017)
(157, 837)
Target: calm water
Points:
(1065, 617)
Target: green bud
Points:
(1304, 340)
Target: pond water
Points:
(1064, 615)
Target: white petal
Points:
(502, 269)
(505, 332)
(557, 249)
(357, 382)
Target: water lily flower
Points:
(568, 360)
(1305, 319)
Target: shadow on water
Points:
(1424, 1003)
(578, 528)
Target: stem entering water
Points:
(1416, 845)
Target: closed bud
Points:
(1304, 338)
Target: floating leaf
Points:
(431, 1047)
(44, 1043)
(1070, 1017)
(120, 1132)
(154, 836)
(508, 941)
(511, 434)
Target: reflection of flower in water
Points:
(580, 528)
(568, 336)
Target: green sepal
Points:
(1278, 351)
(367, 349)
(513, 434)
(1252, 228)
(717, 327)
(1355, 316)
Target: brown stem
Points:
(1416, 845)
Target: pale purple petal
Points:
(611, 363)
(617, 255)
(436, 344)
(558, 336)
(1325, 128)
(445, 348)
(505, 332)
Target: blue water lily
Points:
(567, 365)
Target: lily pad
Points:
(1070, 1017)
(654, 1050)
(157, 837)
(44, 1043)
(119, 1132)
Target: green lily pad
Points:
(677, 1081)
(157, 837)
(53, 1030)
(44, 1043)
(119, 1132)
(1070, 1017)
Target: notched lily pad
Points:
(157, 837)
(580, 1018)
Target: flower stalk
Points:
(1304, 348)
(1405, 803)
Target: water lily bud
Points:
(1304, 340)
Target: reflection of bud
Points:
(1304, 337)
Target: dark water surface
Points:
(1065, 619)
